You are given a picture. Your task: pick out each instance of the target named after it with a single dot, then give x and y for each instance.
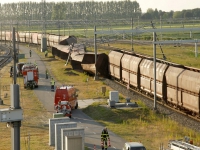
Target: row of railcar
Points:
(176, 85)
(64, 47)
(35, 38)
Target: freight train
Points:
(35, 38)
(177, 85)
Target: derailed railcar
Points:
(81, 58)
(68, 40)
(61, 51)
(76, 61)
(101, 67)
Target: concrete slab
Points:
(87, 102)
(58, 137)
(52, 123)
(72, 132)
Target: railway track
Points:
(174, 114)
(5, 56)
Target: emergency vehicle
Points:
(30, 75)
(133, 146)
(65, 100)
(182, 145)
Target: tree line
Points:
(86, 10)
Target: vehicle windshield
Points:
(138, 148)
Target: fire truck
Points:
(30, 75)
(65, 100)
(182, 145)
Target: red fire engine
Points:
(65, 100)
(30, 75)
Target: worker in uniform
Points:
(35, 63)
(47, 74)
(11, 71)
(30, 52)
(58, 107)
(67, 110)
(104, 138)
(52, 84)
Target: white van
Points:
(133, 146)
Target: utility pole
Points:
(13, 115)
(154, 63)
(132, 35)
(1, 33)
(15, 104)
(43, 18)
(95, 49)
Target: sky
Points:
(164, 5)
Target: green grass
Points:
(140, 124)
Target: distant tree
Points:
(146, 16)
(161, 13)
(171, 14)
(196, 12)
(188, 14)
(156, 14)
(177, 14)
(150, 10)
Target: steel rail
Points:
(6, 57)
(161, 103)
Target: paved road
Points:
(92, 128)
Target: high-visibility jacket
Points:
(52, 82)
(104, 134)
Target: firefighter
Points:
(104, 138)
(52, 84)
(67, 110)
(58, 107)
(30, 52)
